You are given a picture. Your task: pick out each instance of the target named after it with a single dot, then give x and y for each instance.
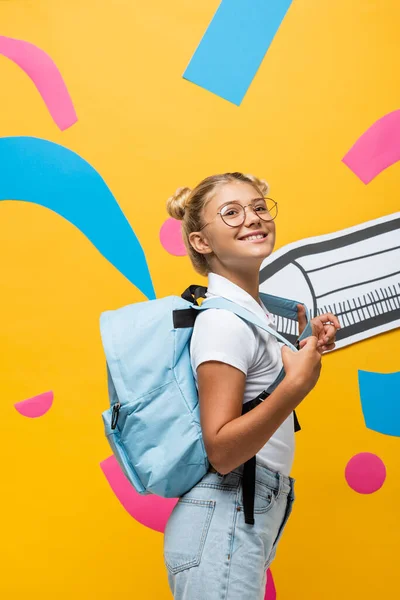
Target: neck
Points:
(248, 280)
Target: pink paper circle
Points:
(365, 473)
(171, 237)
(151, 511)
(270, 591)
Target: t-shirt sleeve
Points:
(222, 336)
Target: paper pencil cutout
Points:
(353, 273)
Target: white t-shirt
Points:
(223, 336)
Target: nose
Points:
(251, 216)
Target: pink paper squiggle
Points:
(376, 149)
(270, 592)
(151, 511)
(45, 75)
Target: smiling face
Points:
(235, 248)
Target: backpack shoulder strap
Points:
(283, 307)
(243, 313)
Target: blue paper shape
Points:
(234, 46)
(39, 171)
(380, 401)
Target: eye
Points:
(261, 206)
(230, 211)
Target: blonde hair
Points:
(187, 205)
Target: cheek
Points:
(221, 237)
(272, 232)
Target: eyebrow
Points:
(238, 202)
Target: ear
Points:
(200, 243)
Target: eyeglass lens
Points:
(234, 213)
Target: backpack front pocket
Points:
(186, 533)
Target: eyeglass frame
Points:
(244, 212)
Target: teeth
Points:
(255, 237)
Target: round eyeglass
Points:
(233, 214)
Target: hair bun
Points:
(177, 203)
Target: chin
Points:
(262, 252)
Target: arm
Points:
(232, 438)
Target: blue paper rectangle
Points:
(380, 400)
(234, 46)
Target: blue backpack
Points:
(153, 423)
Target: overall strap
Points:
(249, 469)
(284, 307)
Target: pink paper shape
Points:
(365, 473)
(270, 592)
(47, 78)
(151, 511)
(376, 149)
(171, 237)
(36, 406)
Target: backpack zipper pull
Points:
(115, 414)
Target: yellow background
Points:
(329, 74)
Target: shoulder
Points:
(222, 336)
(221, 320)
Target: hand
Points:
(303, 368)
(324, 328)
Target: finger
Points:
(329, 333)
(330, 317)
(286, 349)
(309, 341)
(301, 317)
(300, 310)
(302, 343)
(328, 347)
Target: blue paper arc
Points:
(234, 45)
(39, 171)
(380, 401)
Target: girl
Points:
(211, 550)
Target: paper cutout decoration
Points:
(171, 237)
(353, 273)
(234, 46)
(149, 510)
(50, 175)
(377, 149)
(47, 78)
(270, 591)
(365, 473)
(380, 401)
(36, 406)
